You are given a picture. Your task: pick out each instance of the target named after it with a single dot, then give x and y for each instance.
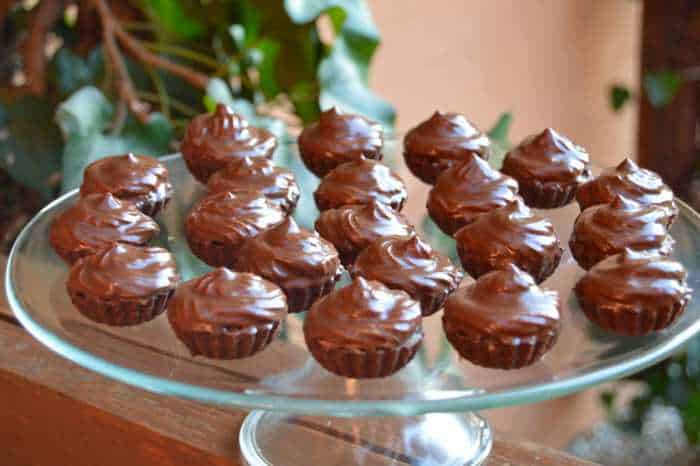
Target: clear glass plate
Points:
(284, 376)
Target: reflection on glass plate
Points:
(284, 376)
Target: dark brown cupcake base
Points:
(122, 312)
(496, 353)
(301, 299)
(152, 207)
(427, 168)
(546, 196)
(539, 271)
(215, 254)
(320, 166)
(630, 320)
(448, 225)
(227, 345)
(361, 364)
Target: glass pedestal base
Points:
(279, 439)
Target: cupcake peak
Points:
(627, 165)
(225, 122)
(131, 157)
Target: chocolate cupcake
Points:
(549, 168)
(136, 179)
(213, 140)
(509, 235)
(96, 221)
(607, 229)
(503, 320)
(440, 141)
(227, 315)
(338, 138)
(218, 224)
(302, 263)
(411, 265)
(260, 175)
(352, 228)
(634, 293)
(123, 284)
(468, 189)
(360, 182)
(364, 330)
(628, 180)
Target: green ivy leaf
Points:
(70, 72)
(30, 143)
(661, 87)
(343, 72)
(500, 141)
(619, 96)
(85, 117)
(174, 18)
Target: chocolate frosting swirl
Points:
(365, 315)
(548, 157)
(508, 232)
(124, 271)
(505, 304)
(97, 220)
(627, 179)
(341, 137)
(623, 224)
(290, 256)
(360, 182)
(643, 280)
(257, 174)
(449, 136)
(408, 264)
(213, 139)
(222, 300)
(468, 189)
(352, 228)
(232, 218)
(131, 178)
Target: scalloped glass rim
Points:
(616, 367)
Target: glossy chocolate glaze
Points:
(138, 179)
(505, 304)
(124, 271)
(97, 220)
(467, 190)
(547, 157)
(290, 256)
(222, 300)
(257, 174)
(635, 282)
(338, 138)
(411, 265)
(231, 218)
(607, 229)
(352, 228)
(366, 316)
(360, 182)
(510, 235)
(627, 179)
(443, 139)
(212, 140)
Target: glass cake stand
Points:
(424, 414)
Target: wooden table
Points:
(54, 413)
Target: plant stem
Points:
(183, 52)
(174, 103)
(41, 23)
(163, 97)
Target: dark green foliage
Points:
(254, 51)
(619, 96)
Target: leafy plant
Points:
(659, 88)
(82, 79)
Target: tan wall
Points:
(550, 62)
